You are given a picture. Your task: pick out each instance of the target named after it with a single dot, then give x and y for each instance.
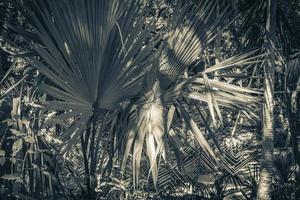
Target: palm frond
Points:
(147, 125)
(196, 132)
(93, 53)
(215, 93)
(193, 29)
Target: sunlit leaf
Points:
(11, 177)
(17, 146)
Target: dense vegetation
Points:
(157, 99)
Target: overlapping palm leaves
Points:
(90, 54)
(98, 55)
(181, 48)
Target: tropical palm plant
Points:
(99, 57)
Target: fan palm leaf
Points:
(192, 29)
(147, 124)
(93, 53)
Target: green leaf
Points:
(13, 86)
(17, 146)
(2, 153)
(11, 177)
(17, 132)
(29, 139)
(237, 60)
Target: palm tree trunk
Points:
(294, 124)
(218, 50)
(84, 143)
(218, 43)
(268, 120)
(218, 46)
